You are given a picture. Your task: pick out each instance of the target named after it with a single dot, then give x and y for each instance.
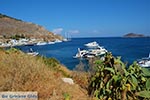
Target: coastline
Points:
(28, 42)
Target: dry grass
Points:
(81, 78)
(21, 72)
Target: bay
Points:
(130, 49)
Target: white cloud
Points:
(57, 30)
(74, 31)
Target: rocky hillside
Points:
(10, 27)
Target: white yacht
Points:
(81, 53)
(144, 62)
(92, 44)
(98, 51)
(92, 52)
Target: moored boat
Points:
(57, 41)
(91, 52)
(98, 51)
(33, 53)
(81, 53)
(92, 44)
(51, 42)
(41, 43)
(144, 62)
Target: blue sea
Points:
(130, 49)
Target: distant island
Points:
(134, 35)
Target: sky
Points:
(83, 18)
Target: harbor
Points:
(66, 52)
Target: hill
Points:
(22, 72)
(133, 35)
(10, 27)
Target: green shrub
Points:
(114, 80)
(52, 62)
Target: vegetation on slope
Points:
(110, 79)
(21, 72)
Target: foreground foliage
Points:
(22, 72)
(114, 80)
(111, 79)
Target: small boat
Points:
(31, 52)
(57, 41)
(144, 62)
(65, 39)
(92, 44)
(41, 43)
(51, 42)
(30, 44)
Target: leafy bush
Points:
(113, 80)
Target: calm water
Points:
(130, 49)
